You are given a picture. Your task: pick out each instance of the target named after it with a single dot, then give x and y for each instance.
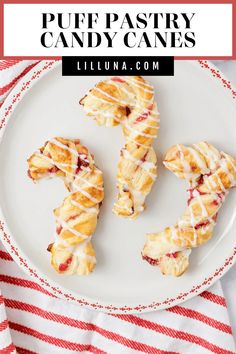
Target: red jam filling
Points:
(58, 229)
(219, 200)
(201, 224)
(172, 255)
(190, 193)
(72, 217)
(142, 117)
(153, 262)
(118, 79)
(143, 159)
(221, 196)
(205, 223)
(54, 169)
(64, 266)
(201, 178)
(201, 193)
(81, 163)
(191, 196)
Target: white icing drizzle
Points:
(85, 193)
(219, 181)
(66, 226)
(78, 177)
(210, 182)
(219, 240)
(138, 132)
(144, 83)
(199, 161)
(139, 85)
(129, 138)
(54, 163)
(63, 146)
(172, 166)
(174, 235)
(110, 96)
(87, 210)
(142, 164)
(223, 165)
(211, 154)
(123, 207)
(152, 112)
(106, 114)
(124, 103)
(197, 195)
(177, 264)
(131, 94)
(185, 164)
(144, 124)
(122, 88)
(78, 250)
(195, 218)
(230, 162)
(139, 198)
(192, 221)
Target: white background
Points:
(212, 25)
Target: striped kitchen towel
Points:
(11, 71)
(32, 320)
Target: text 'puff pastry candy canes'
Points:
(76, 219)
(129, 101)
(210, 174)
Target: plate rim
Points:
(52, 287)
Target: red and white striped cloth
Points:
(35, 321)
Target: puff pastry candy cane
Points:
(210, 174)
(129, 100)
(76, 219)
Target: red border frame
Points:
(232, 2)
(52, 287)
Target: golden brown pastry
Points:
(210, 174)
(129, 100)
(76, 219)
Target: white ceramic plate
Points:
(196, 104)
